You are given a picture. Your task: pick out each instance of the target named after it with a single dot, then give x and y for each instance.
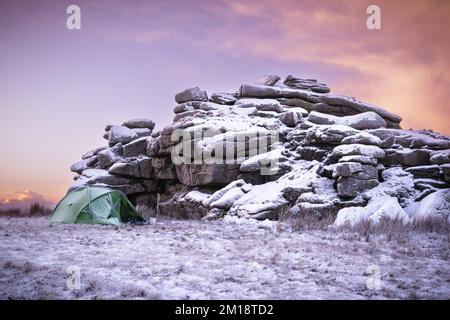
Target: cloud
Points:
(147, 37)
(22, 200)
(402, 67)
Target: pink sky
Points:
(59, 88)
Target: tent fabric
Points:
(95, 205)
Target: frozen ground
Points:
(217, 260)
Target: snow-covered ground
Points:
(218, 260)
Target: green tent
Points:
(95, 205)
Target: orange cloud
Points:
(22, 200)
(404, 66)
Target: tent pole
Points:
(157, 206)
(89, 203)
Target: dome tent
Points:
(95, 204)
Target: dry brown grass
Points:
(35, 210)
(396, 230)
(398, 226)
(10, 213)
(146, 211)
(38, 209)
(305, 221)
(392, 229)
(432, 225)
(312, 222)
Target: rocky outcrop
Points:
(139, 123)
(276, 148)
(125, 135)
(291, 118)
(223, 98)
(306, 84)
(192, 94)
(343, 105)
(269, 80)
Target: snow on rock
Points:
(138, 168)
(412, 139)
(247, 187)
(89, 173)
(82, 165)
(264, 92)
(300, 110)
(440, 157)
(136, 148)
(419, 182)
(125, 135)
(233, 138)
(264, 200)
(362, 121)
(378, 209)
(331, 134)
(266, 163)
(108, 157)
(219, 193)
(363, 138)
(257, 224)
(396, 182)
(291, 118)
(346, 169)
(435, 206)
(358, 149)
(360, 159)
(260, 104)
(223, 98)
(191, 94)
(358, 106)
(261, 202)
(93, 152)
(196, 197)
(227, 200)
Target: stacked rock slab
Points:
(356, 169)
(317, 153)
